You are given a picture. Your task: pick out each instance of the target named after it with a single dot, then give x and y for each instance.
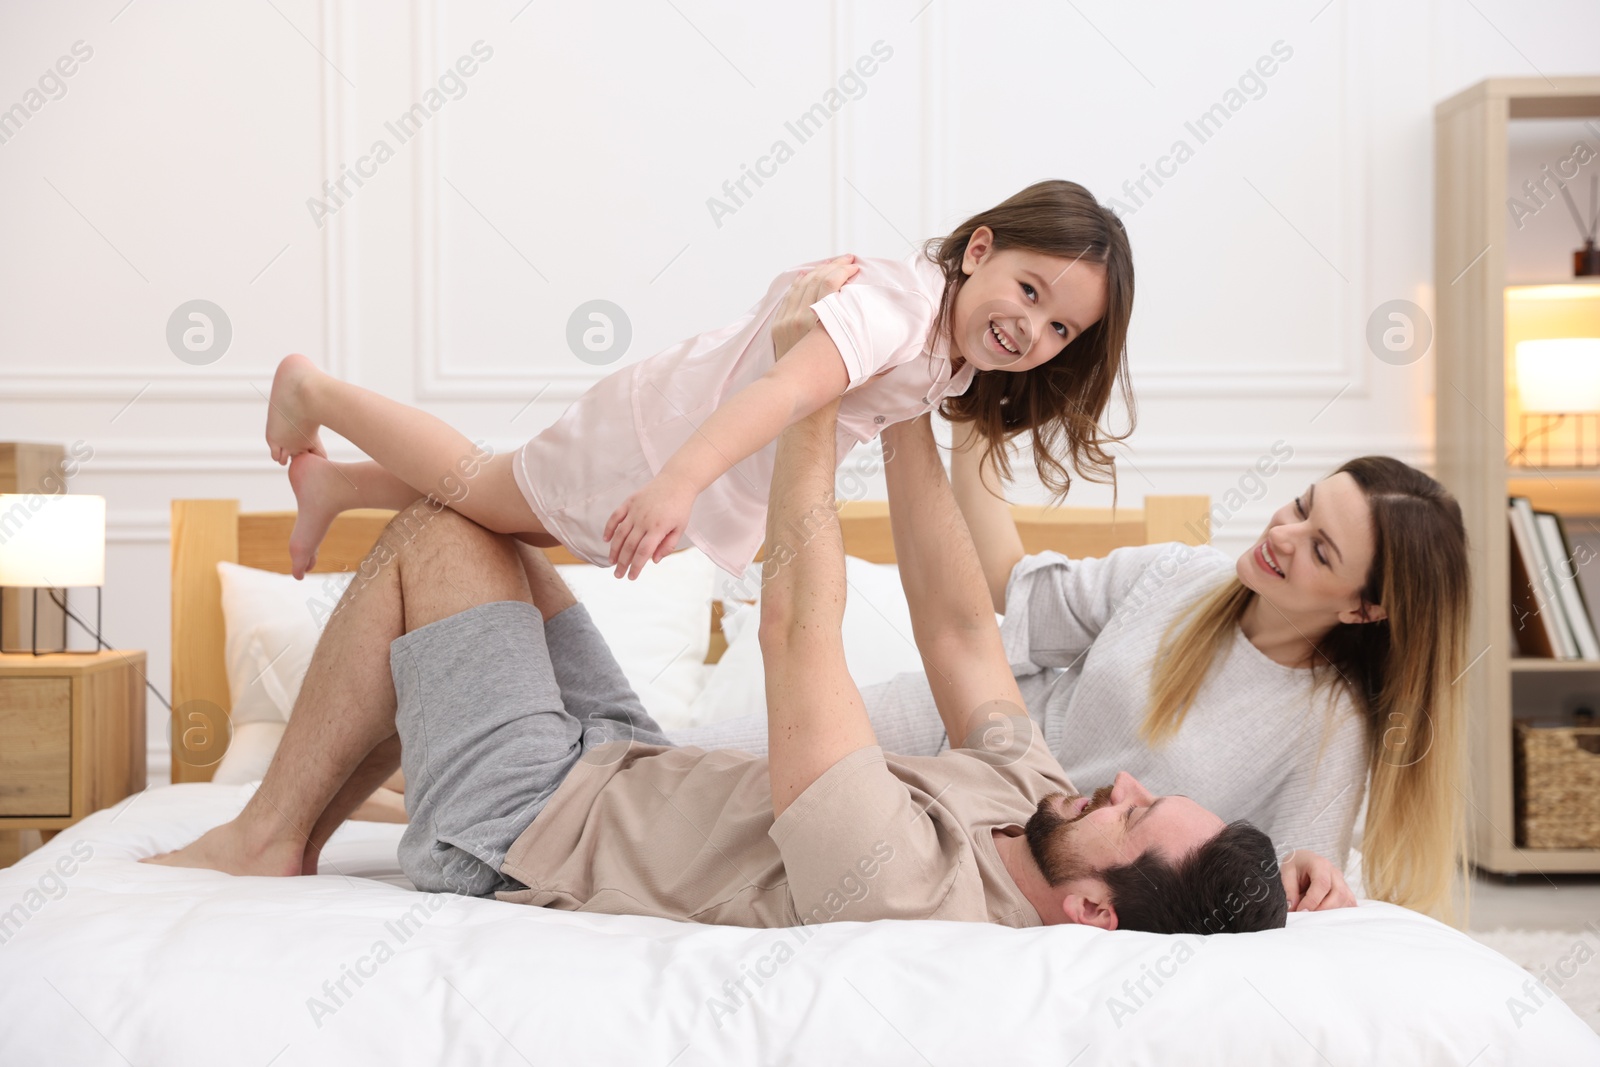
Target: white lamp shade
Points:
(52, 541)
(1559, 375)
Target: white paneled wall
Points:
(1273, 163)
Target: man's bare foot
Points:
(223, 848)
(321, 491)
(290, 428)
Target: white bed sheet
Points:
(130, 963)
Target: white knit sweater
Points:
(1082, 637)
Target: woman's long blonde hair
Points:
(1400, 671)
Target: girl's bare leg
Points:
(420, 450)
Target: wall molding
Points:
(435, 379)
(1160, 459)
(184, 455)
(81, 383)
(167, 381)
(138, 527)
(1341, 366)
(140, 455)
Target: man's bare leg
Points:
(446, 564)
(380, 768)
(386, 804)
(345, 708)
(427, 565)
(378, 765)
(550, 594)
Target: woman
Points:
(1270, 688)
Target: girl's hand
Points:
(648, 524)
(1312, 883)
(795, 318)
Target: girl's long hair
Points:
(1059, 404)
(1400, 672)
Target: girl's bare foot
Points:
(223, 848)
(321, 491)
(290, 428)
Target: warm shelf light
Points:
(1559, 375)
(1554, 291)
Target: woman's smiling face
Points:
(1314, 557)
(1018, 309)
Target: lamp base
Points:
(99, 642)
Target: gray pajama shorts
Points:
(495, 705)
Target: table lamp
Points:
(53, 542)
(1558, 377)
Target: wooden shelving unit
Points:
(1476, 433)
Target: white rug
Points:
(1562, 963)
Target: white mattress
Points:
(150, 965)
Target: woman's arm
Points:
(1315, 808)
(983, 504)
(804, 378)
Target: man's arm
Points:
(983, 504)
(952, 614)
(815, 716)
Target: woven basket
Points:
(1558, 786)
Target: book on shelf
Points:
(1583, 537)
(1531, 620)
(1550, 616)
(1564, 571)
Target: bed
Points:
(105, 960)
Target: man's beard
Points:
(1050, 838)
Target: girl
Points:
(1281, 687)
(1015, 322)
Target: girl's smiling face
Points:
(1018, 309)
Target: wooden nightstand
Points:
(72, 741)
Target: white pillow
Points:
(878, 643)
(272, 625)
(249, 753)
(658, 627)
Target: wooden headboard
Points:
(208, 532)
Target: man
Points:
(534, 774)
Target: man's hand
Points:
(648, 524)
(794, 317)
(1313, 883)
